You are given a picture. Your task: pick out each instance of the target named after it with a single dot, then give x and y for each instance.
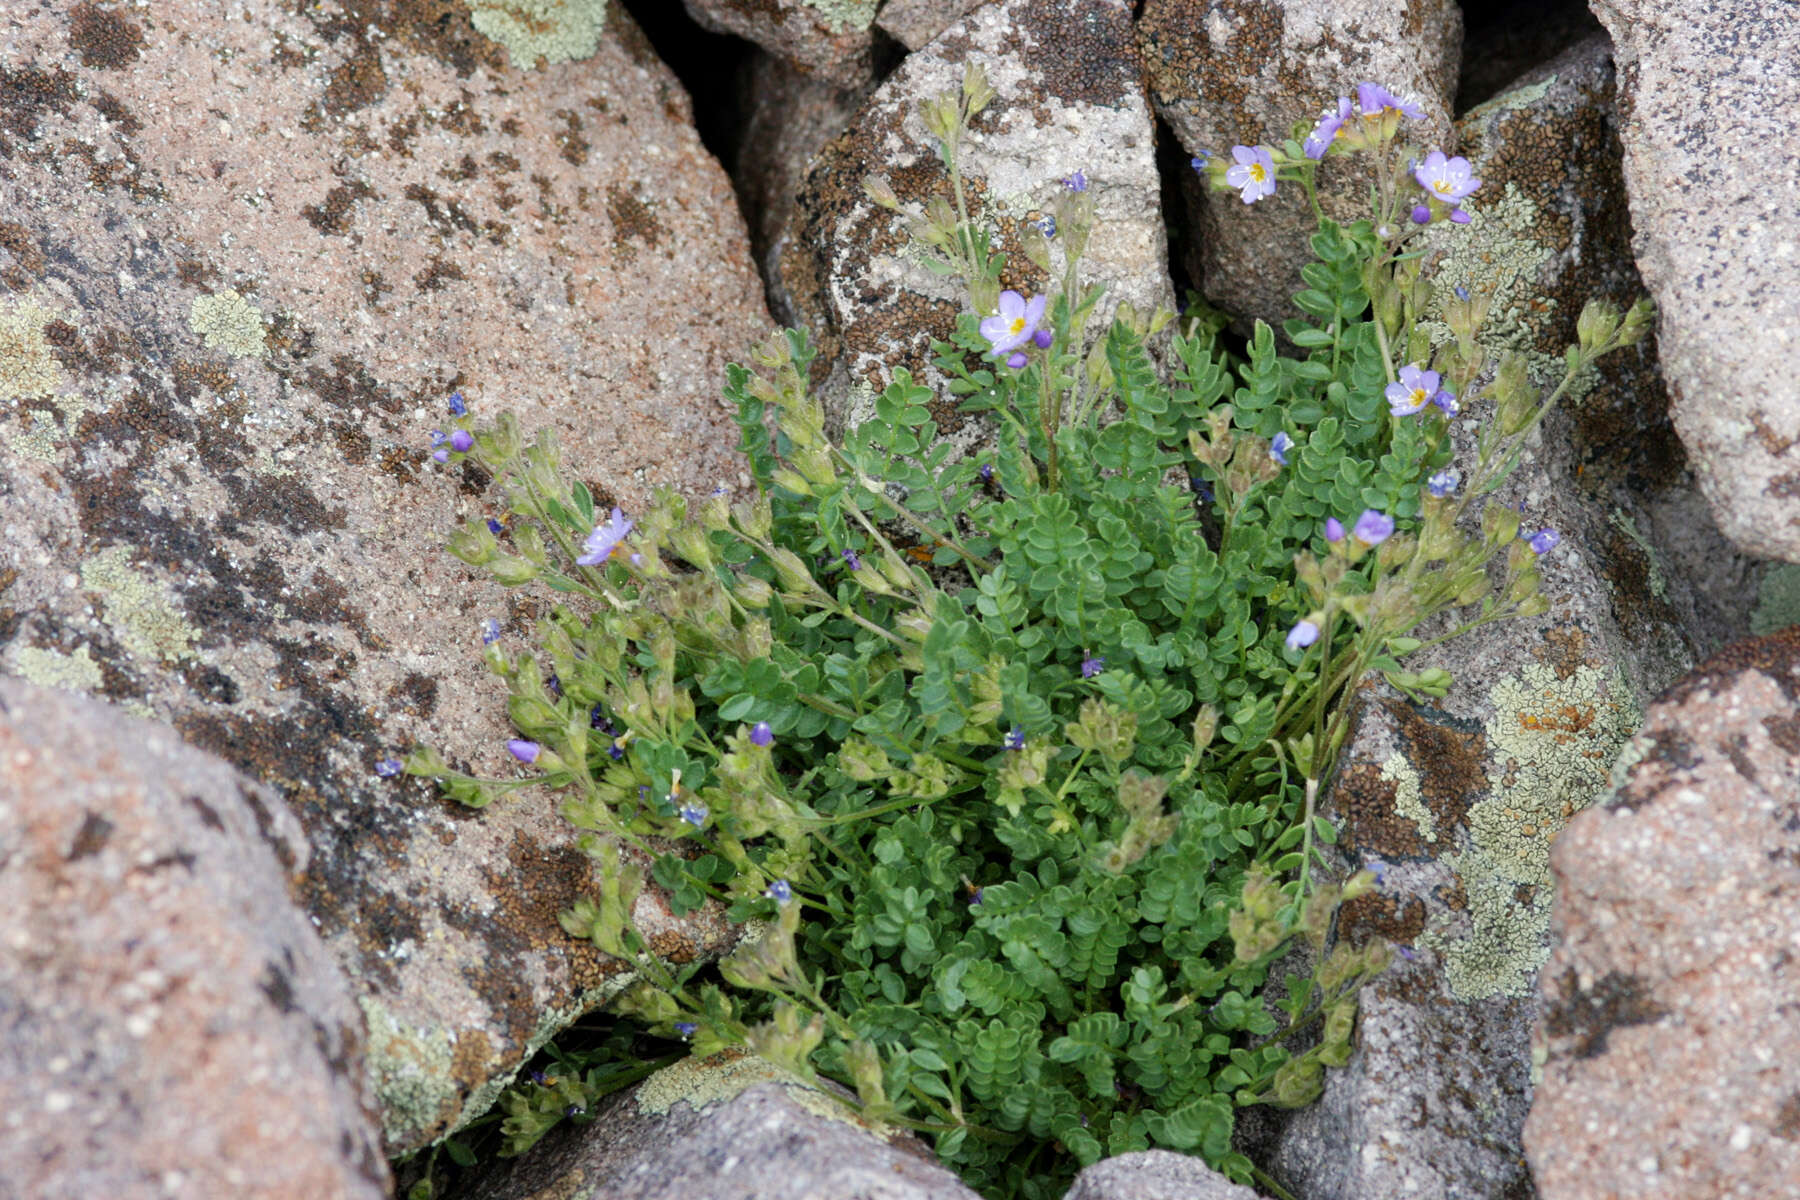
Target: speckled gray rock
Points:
(173, 1024)
(827, 39)
(242, 263)
(1710, 93)
(1669, 1040)
(1069, 97)
(1154, 1175)
(723, 1128)
(1229, 72)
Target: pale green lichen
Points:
(410, 1074)
(553, 30)
(77, 672)
(228, 322)
(842, 16)
(1777, 600)
(1408, 800)
(1516, 100)
(1659, 586)
(28, 368)
(140, 611)
(1553, 741)
(703, 1082)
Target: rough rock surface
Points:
(1669, 1035)
(173, 1025)
(829, 40)
(724, 1128)
(1709, 95)
(1069, 97)
(242, 262)
(1461, 799)
(1242, 72)
(915, 22)
(1154, 1175)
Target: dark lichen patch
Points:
(466, 168)
(356, 83)
(211, 684)
(353, 444)
(350, 386)
(1397, 919)
(91, 838)
(1585, 1017)
(278, 501)
(26, 94)
(1736, 748)
(1784, 732)
(1450, 758)
(1777, 656)
(1368, 820)
(438, 274)
(570, 144)
(27, 259)
(401, 133)
(334, 214)
(374, 287)
(209, 816)
(445, 216)
(1787, 1119)
(99, 354)
(105, 40)
(278, 986)
(1079, 52)
(632, 220)
(416, 694)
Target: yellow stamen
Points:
(1257, 173)
(1018, 325)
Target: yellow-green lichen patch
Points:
(1554, 739)
(27, 367)
(228, 322)
(76, 672)
(1516, 100)
(411, 1075)
(842, 16)
(140, 611)
(553, 30)
(1408, 799)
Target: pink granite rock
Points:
(1670, 1029)
(1710, 91)
(829, 40)
(242, 263)
(173, 1024)
(915, 22)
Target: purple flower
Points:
(1280, 446)
(1016, 321)
(694, 813)
(1201, 160)
(597, 720)
(388, 768)
(1462, 293)
(437, 437)
(457, 407)
(1302, 635)
(494, 526)
(975, 897)
(1076, 182)
(1015, 739)
(1459, 217)
(553, 685)
(1254, 172)
(1413, 392)
(1326, 131)
(1446, 400)
(686, 1028)
(1202, 489)
(1373, 100)
(616, 752)
(852, 561)
(539, 1078)
(987, 472)
(1017, 360)
(761, 734)
(490, 631)
(574, 1110)
(1421, 214)
(441, 455)
(1091, 665)
(1046, 225)
(781, 891)
(1334, 530)
(1406, 952)
(524, 751)
(462, 441)
(603, 543)
(1445, 179)
(1443, 483)
(1042, 339)
(1544, 541)
(1373, 527)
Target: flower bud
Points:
(511, 572)
(1595, 326)
(881, 192)
(1514, 397)
(791, 571)
(1499, 525)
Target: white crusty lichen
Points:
(553, 30)
(1553, 741)
(228, 322)
(28, 368)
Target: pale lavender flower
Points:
(1254, 173)
(1016, 321)
(1043, 339)
(457, 407)
(1443, 483)
(1446, 179)
(694, 813)
(781, 891)
(1279, 447)
(1373, 527)
(462, 441)
(1326, 131)
(1459, 217)
(761, 734)
(1334, 530)
(1076, 182)
(1091, 665)
(1373, 100)
(1017, 360)
(1413, 392)
(1544, 541)
(1302, 635)
(524, 751)
(686, 1029)
(852, 560)
(604, 542)
(1015, 739)
(490, 631)
(388, 768)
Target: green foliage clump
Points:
(1009, 764)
